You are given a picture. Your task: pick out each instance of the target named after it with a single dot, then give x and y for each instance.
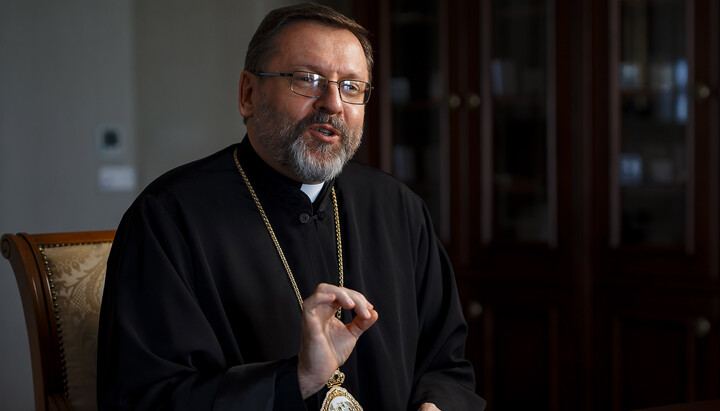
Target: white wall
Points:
(163, 72)
(65, 68)
(189, 57)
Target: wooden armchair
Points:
(61, 278)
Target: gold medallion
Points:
(337, 397)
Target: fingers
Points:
(341, 297)
(360, 325)
(327, 298)
(326, 342)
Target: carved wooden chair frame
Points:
(35, 283)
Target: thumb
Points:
(359, 325)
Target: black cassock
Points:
(198, 312)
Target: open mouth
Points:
(324, 131)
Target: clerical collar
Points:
(312, 190)
(268, 181)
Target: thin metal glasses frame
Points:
(366, 93)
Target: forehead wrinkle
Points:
(338, 53)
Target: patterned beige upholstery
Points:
(60, 277)
(77, 275)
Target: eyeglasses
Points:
(314, 85)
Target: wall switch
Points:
(110, 141)
(117, 178)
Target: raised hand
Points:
(326, 342)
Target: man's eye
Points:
(307, 79)
(350, 87)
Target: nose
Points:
(329, 102)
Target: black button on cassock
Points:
(304, 218)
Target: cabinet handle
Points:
(702, 327)
(702, 91)
(474, 100)
(454, 101)
(474, 310)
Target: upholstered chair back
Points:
(61, 279)
(77, 273)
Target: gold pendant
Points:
(337, 397)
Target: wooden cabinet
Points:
(656, 262)
(569, 152)
(655, 346)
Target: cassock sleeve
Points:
(442, 375)
(164, 341)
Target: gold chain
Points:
(277, 244)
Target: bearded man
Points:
(275, 275)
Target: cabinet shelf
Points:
(414, 18)
(655, 189)
(519, 101)
(514, 185)
(534, 11)
(419, 105)
(627, 93)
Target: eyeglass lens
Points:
(314, 85)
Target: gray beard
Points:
(310, 169)
(310, 160)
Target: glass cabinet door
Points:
(417, 89)
(519, 123)
(650, 125)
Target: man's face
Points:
(309, 139)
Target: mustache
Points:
(322, 118)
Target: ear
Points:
(247, 96)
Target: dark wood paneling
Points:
(656, 346)
(518, 343)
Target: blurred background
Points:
(569, 152)
(98, 98)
